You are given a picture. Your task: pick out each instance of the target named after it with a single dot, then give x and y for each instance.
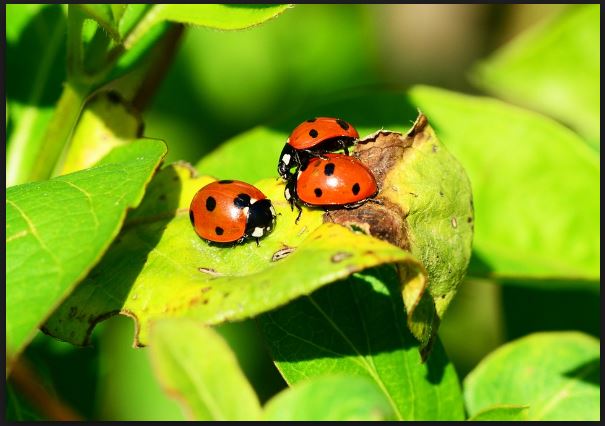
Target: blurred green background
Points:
(223, 83)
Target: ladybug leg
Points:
(257, 242)
(344, 146)
(375, 201)
(299, 212)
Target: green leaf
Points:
(535, 186)
(56, 230)
(337, 397)
(554, 68)
(357, 326)
(158, 267)
(36, 49)
(502, 413)
(557, 374)
(197, 367)
(103, 14)
(106, 122)
(219, 16)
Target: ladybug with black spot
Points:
(334, 181)
(229, 211)
(313, 138)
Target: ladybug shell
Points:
(219, 210)
(314, 131)
(337, 180)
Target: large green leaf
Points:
(56, 230)
(336, 397)
(556, 374)
(196, 366)
(35, 52)
(357, 326)
(554, 68)
(158, 267)
(219, 16)
(535, 186)
(499, 413)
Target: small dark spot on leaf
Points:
(441, 193)
(114, 97)
(175, 178)
(434, 148)
(162, 197)
(72, 312)
(282, 253)
(206, 289)
(443, 296)
(340, 256)
(226, 294)
(209, 271)
(469, 219)
(205, 302)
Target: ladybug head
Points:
(287, 160)
(261, 218)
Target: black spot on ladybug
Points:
(311, 120)
(343, 124)
(242, 200)
(313, 133)
(210, 203)
(226, 181)
(219, 230)
(329, 169)
(317, 192)
(191, 217)
(356, 189)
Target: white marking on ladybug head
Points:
(258, 232)
(286, 159)
(253, 200)
(288, 140)
(287, 194)
(246, 210)
(272, 210)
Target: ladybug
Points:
(313, 138)
(229, 211)
(336, 180)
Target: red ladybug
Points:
(313, 138)
(229, 211)
(337, 180)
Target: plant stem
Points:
(58, 133)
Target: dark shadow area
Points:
(127, 254)
(54, 365)
(549, 305)
(589, 372)
(33, 54)
(362, 315)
